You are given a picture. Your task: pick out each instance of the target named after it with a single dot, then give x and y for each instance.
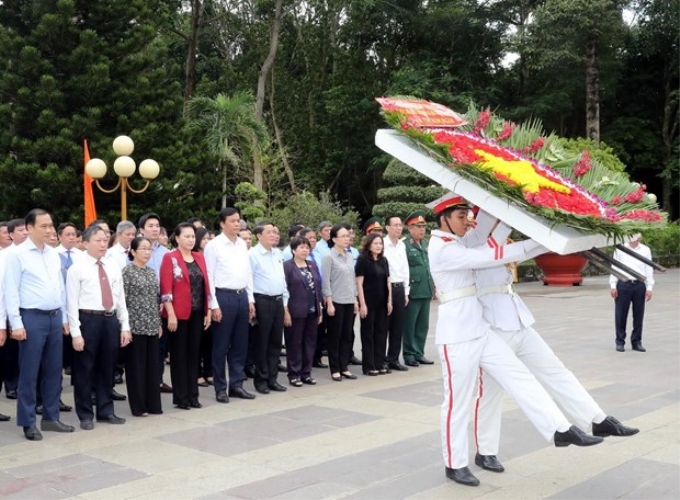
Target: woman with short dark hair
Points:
(303, 313)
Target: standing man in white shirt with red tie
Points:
(633, 292)
(98, 319)
(232, 304)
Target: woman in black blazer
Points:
(303, 313)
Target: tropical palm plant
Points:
(230, 130)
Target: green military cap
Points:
(416, 218)
(372, 224)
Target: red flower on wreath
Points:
(481, 122)
(616, 200)
(535, 146)
(636, 196)
(508, 129)
(583, 164)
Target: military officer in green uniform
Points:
(421, 292)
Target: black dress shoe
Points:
(117, 396)
(240, 392)
(620, 348)
(319, 364)
(221, 397)
(183, 406)
(249, 371)
(166, 389)
(397, 366)
(203, 384)
(112, 419)
(86, 425)
(489, 462)
(32, 433)
(261, 388)
(4, 418)
(424, 361)
(11, 393)
(413, 362)
(612, 427)
(348, 375)
(55, 426)
(639, 348)
(118, 378)
(575, 436)
(277, 387)
(355, 361)
(282, 368)
(195, 404)
(63, 406)
(462, 476)
(39, 410)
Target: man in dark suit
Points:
(420, 293)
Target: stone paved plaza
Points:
(378, 437)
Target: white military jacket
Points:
(452, 265)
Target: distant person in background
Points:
(80, 244)
(633, 292)
(196, 222)
(246, 235)
(5, 240)
(125, 233)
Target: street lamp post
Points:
(124, 166)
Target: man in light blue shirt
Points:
(321, 249)
(37, 314)
(271, 297)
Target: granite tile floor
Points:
(378, 437)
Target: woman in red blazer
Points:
(185, 294)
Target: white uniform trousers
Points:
(460, 365)
(556, 378)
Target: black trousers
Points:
(395, 323)
(630, 292)
(374, 338)
(185, 344)
(300, 346)
(268, 338)
(321, 336)
(141, 358)
(9, 360)
(93, 366)
(340, 336)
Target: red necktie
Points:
(107, 297)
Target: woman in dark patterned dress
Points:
(141, 355)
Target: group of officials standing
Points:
(247, 296)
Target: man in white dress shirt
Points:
(118, 253)
(232, 304)
(395, 253)
(633, 292)
(98, 319)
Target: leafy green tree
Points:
(229, 128)
(79, 70)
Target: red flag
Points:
(90, 209)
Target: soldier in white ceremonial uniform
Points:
(512, 321)
(466, 342)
